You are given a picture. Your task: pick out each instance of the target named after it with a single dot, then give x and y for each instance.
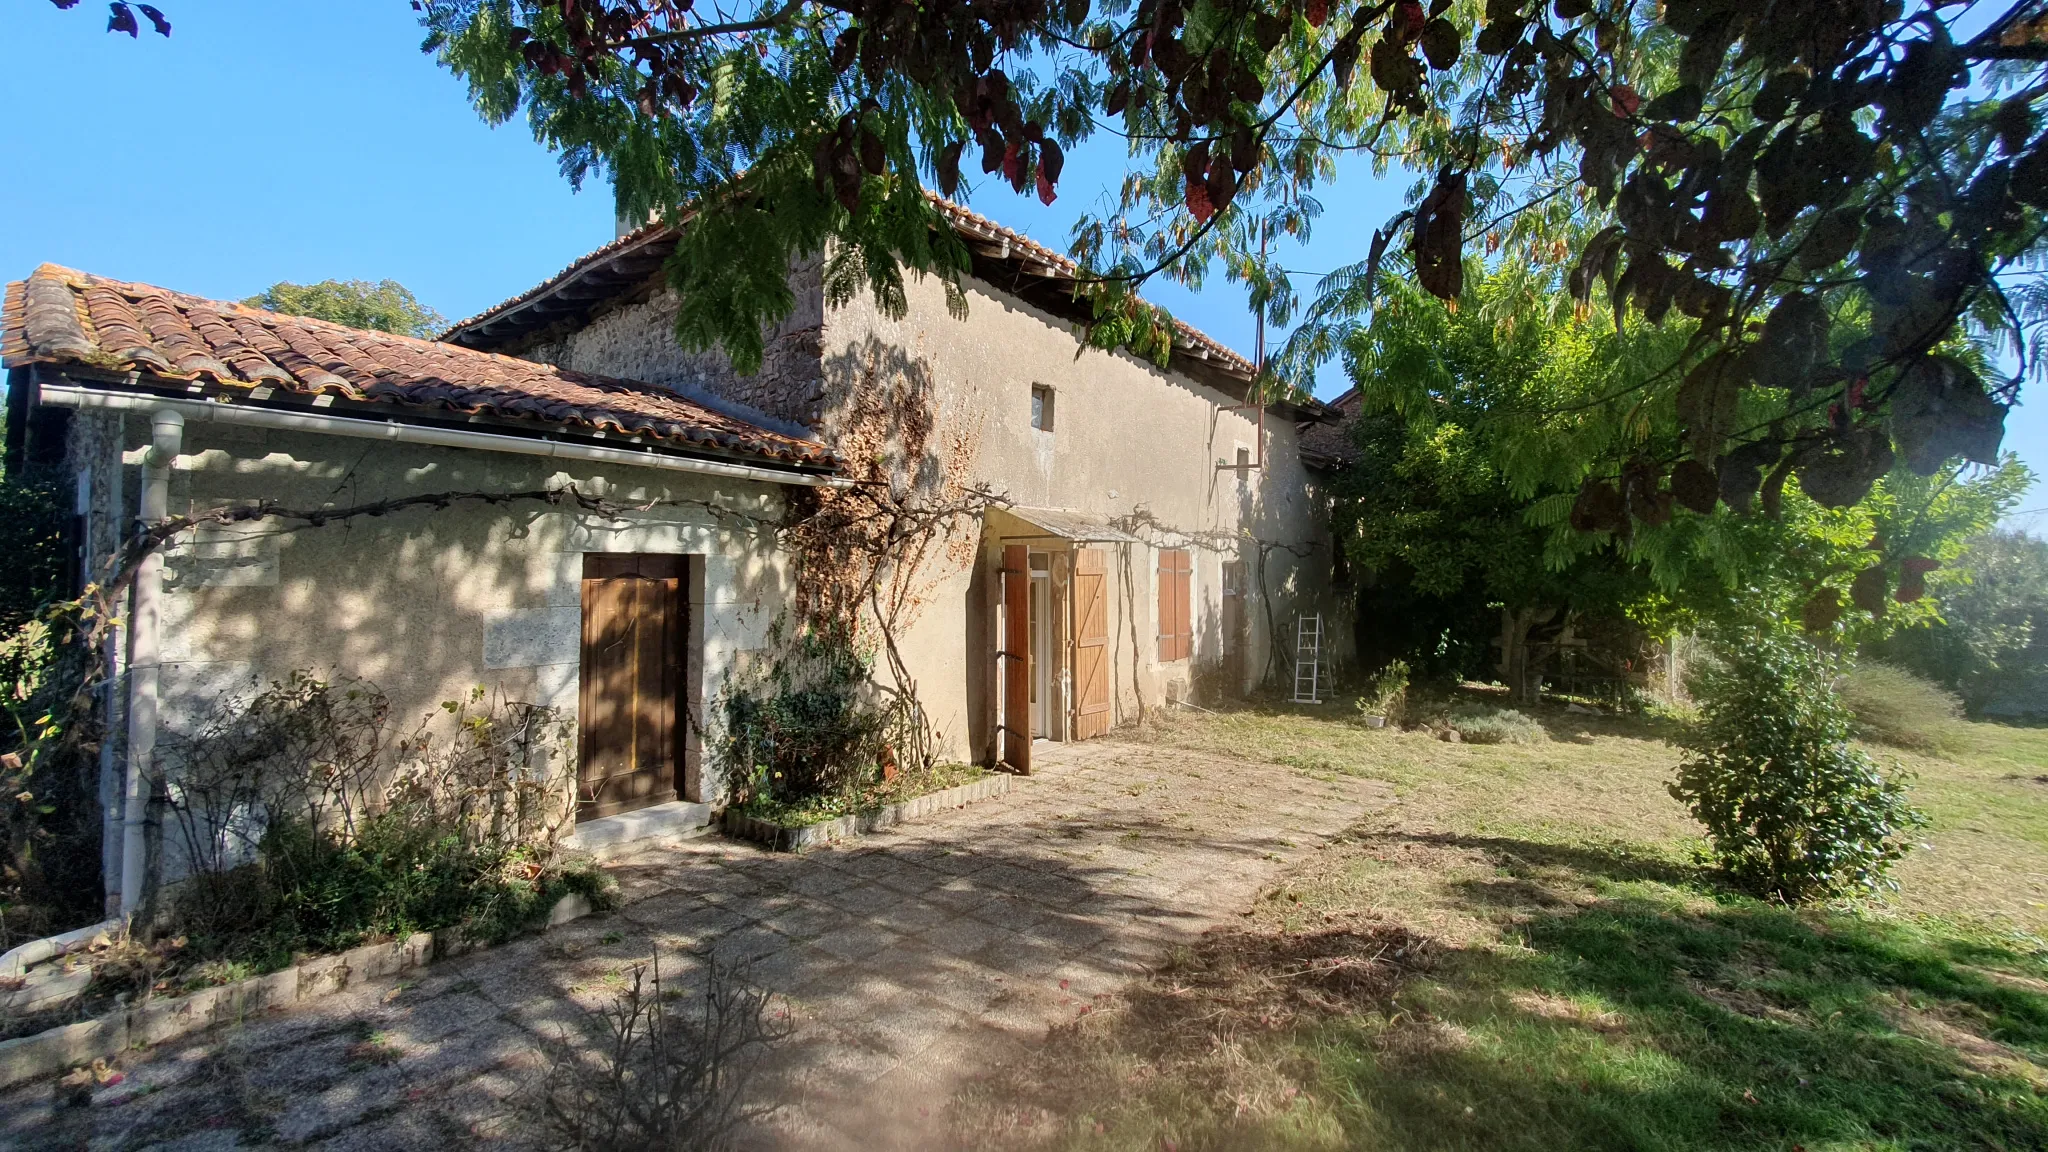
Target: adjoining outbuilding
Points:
(600, 546)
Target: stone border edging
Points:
(156, 1020)
(778, 838)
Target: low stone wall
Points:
(784, 839)
(158, 1019)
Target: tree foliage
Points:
(121, 17)
(1760, 170)
(1479, 427)
(386, 306)
(1992, 630)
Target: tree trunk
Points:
(1519, 669)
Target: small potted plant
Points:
(1383, 696)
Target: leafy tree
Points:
(385, 306)
(1438, 504)
(1479, 426)
(1993, 623)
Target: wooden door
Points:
(632, 681)
(1091, 642)
(1014, 659)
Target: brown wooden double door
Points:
(635, 621)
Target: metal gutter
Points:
(74, 396)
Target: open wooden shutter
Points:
(1091, 642)
(1013, 664)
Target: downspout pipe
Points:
(214, 412)
(145, 660)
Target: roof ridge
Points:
(656, 228)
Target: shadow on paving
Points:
(903, 962)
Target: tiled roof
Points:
(617, 267)
(59, 316)
(1329, 443)
(632, 258)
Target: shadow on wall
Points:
(430, 603)
(886, 550)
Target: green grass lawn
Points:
(1553, 969)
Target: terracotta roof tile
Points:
(59, 316)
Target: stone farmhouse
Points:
(599, 518)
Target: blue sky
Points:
(299, 140)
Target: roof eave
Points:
(140, 383)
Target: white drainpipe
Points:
(145, 662)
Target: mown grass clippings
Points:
(1585, 981)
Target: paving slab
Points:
(905, 963)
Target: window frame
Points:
(1044, 408)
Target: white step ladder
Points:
(1308, 659)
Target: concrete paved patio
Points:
(907, 961)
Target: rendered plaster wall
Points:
(428, 604)
(1131, 444)
(637, 341)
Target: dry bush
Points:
(648, 1074)
(1483, 724)
(1895, 707)
(296, 823)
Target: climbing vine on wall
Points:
(870, 558)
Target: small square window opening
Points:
(1041, 407)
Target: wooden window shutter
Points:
(1183, 623)
(1014, 660)
(1176, 637)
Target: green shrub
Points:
(1893, 706)
(33, 523)
(319, 891)
(815, 725)
(1483, 724)
(1386, 692)
(302, 827)
(1793, 809)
